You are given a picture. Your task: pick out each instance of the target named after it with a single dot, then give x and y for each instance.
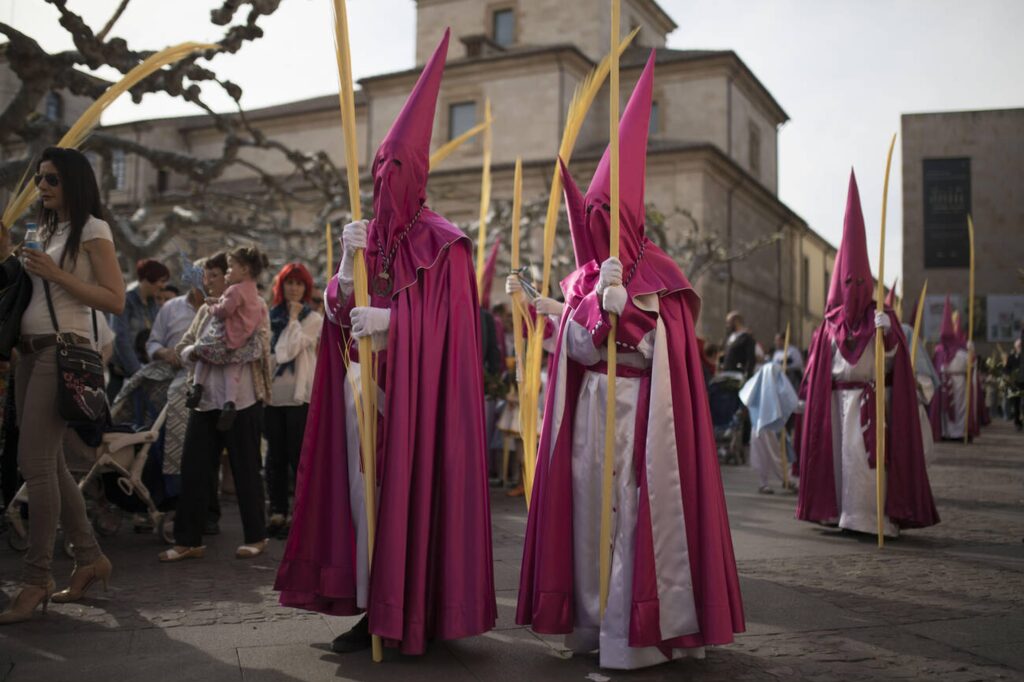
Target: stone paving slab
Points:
(939, 603)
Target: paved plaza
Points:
(941, 603)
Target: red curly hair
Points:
(292, 271)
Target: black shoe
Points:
(277, 527)
(212, 528)
(193, 396)
(356, 639)
(227, 417)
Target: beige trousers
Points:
(52, 492)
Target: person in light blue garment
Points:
(770, 400)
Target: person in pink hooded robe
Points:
(432, 574)
(949, 407)
(674, 586)
(837, 477)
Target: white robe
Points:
(678, 611)
(854, 479)
(955, 372)
(356, 484)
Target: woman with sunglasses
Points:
(79, 263)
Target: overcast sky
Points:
(844, 71)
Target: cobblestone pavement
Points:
(941, 603)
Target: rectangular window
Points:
(118, 168)
(947, 203)
(655, 122)
(754, 149)
(503, 27)
(805, 283)
(828, 283)
(461, 117)
(161, 181)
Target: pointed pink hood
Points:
(849, 309)
(575, 208)
(402, 163)
(890, 298)
(949, 335)
(654, 271)
(633, 131)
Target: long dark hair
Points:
(81, 195)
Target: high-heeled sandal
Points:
(23, 606)
(173, 554)
(83, 577)
(250, 550)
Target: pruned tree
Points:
(697, 250)
(252, 211)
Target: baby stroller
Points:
(117, 461)
(727, 416)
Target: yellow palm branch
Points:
(88, 121)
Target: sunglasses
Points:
(52, 179)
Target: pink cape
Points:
(546, 589)
(432, 571)
(909, 501)
(951, 341)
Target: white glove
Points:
(614, 299)
(353, 237)
(367, 321)
(883, 322)
(970, 347)
(548, 306)
(611, 275)
(512, 285)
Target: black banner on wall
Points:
(947, 201)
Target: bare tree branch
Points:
(101, 36)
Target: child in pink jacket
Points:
(227, 340)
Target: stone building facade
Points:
(713, 149)
(955, 163)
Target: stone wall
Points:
(994, 142)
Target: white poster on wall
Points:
(1005, 315)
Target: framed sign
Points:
(1005, 316)
(947, 201)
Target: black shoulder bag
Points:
(81, 398)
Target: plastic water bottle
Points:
(31, 238)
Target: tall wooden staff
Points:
(916, 338)
(613, 252)
(880, 364)
(485, 197)
(782, 436)
(368, 395)
(970, 334)
(518, 342)
(329, 239)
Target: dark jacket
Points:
(15, 293)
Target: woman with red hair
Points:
(295, 333)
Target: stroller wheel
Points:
(107, 521)
(166, 528)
